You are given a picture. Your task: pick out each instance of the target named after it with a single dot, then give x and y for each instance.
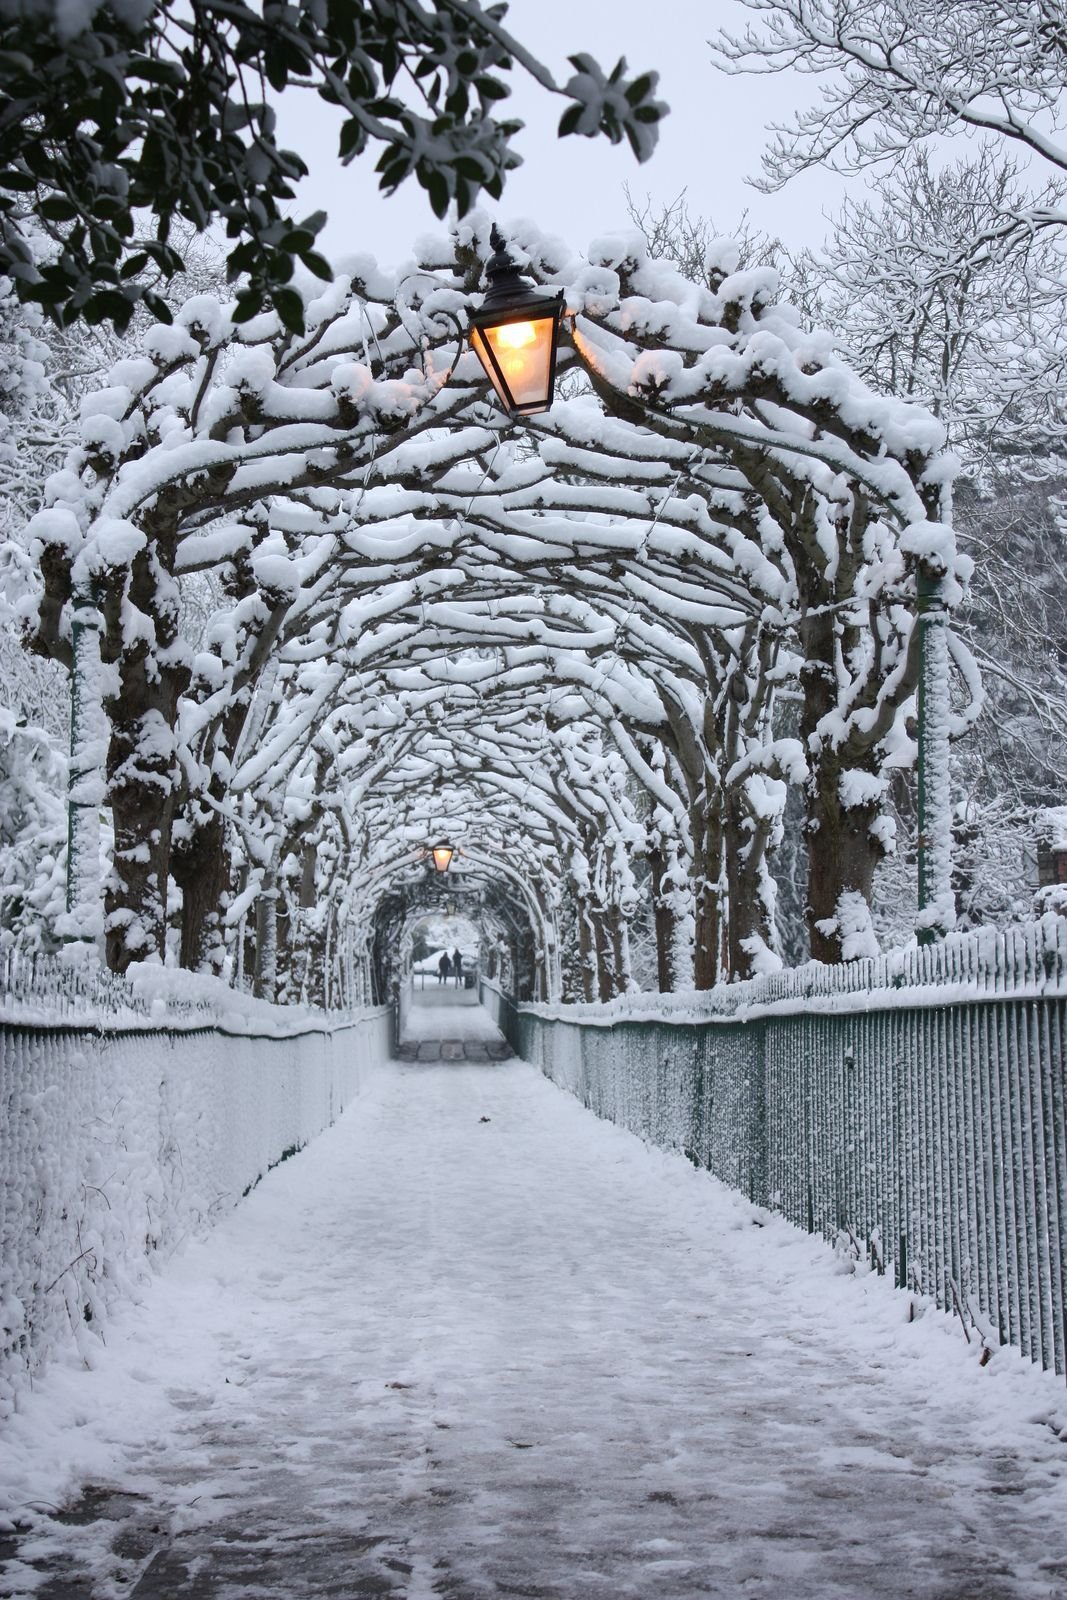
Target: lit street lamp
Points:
(442, 857)
(515, 334)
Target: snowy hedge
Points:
(114, 1147)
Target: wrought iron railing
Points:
(915, 1104)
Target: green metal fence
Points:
(917, 1104)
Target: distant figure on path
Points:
(444, 967)
(457, 967)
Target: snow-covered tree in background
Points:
(33, 724)
(931, 303)
(947, 284)
(903, 71)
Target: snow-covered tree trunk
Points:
(200, 866)
(708, 893)
(143, 776)
(844, 845)
(313, 931)
(604, 937)
(663, 869)
(937, 906)
(843, 851)
(144, 673)
(86, 777)
(587, 952)
(267, 937)
(750, 917)
(621, 951)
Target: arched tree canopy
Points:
(597, 651)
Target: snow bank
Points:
(72, 989)
(120, 1138)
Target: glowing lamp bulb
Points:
(516, 335)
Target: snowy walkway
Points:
(475, 1344)
(445, 1022)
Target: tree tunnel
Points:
(323, 603)
(512, 952)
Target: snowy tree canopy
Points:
(566, 645)
(168, 108)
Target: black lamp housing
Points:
(442, 856)
(515, 335)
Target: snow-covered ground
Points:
(476, 1343)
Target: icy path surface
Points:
(443, 1356)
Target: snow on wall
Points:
(116, 1144)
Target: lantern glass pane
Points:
(522, 351)
(481, 350)
(442, 857)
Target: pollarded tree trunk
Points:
(609, 937)
(142, 780)
(843, 853)
(201, 863)
(750, 891)
(150, 673)
(620, 941)
(314, 942)
(523, 969)
(707, 896)
(309, 940)
(587, 954)
(752, 803)
(604, 937)
(85, 781)
(200, 866)
(266, 975)
(286, 938)
(844, 801)
(664, 918)
(605, 954)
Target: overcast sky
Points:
(709, 143)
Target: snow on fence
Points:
(134, 1113)
(916, 1104)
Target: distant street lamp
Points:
(442, 857)
(515, 335)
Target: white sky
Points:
(709, 143)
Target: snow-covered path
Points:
(443, 1011)
(475, 1343)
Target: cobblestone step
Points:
(454, 1050)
